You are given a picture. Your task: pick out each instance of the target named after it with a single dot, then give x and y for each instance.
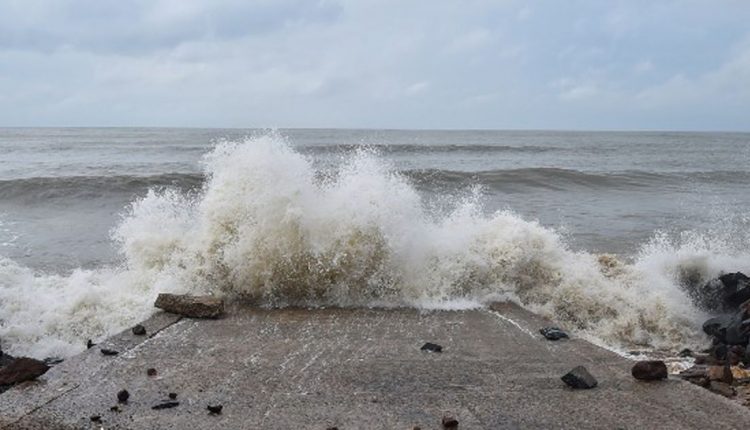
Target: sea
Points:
(611, 234)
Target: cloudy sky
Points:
(682, 64)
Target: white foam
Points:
(267, 229)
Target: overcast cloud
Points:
(682, 64)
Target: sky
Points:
(464, 64)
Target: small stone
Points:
(649, 370)
(151, 372)
(90, 344)
(109, 352)
(449, 422)
(215, 409)
(172, 395)
(139, 330)
(720, 373)
(722, 388)
(431, 347)
(165, 405)
(579, 378)
(115, 408)
(51, 361)
(123, 396)
(416, 428)
(687, 352)
(553, 333)
(95, 418)
(191, 306)
(22, 369)
(332, 428)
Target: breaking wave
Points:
(267, 228)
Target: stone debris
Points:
(151, 372)
(123, 396)
(650, 370)
(22, 369)
(108, 352)
(90, 344)
(553, 333)
(432, 347)
(165, 405)
(579, 378)
(52, 361)
(214, 409)
(95, 418)
(722, 388)
(172, 396)
(191, 306)
(720, 373)
(139, 330)
(115, 408)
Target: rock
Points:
(151, 372)
(431, 347)
(108, 352)
(139, 330)
(724, 293)
(90, 344)
(722, 388)
(553, 333)
(720, 373)
(687, 352)
(717, 326)
(115, 408)
(165, 405)
(579, 378)
(123, 396)
(22, 369)
(172, 395)
(649, 370)
(449, 422)
(190, 306)
(95, 418)
(214, 409)
(746, 356)
(51, 361)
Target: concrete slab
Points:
(357, 369)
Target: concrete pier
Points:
(355, 369)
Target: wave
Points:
(266, 228)
(406, 148)
(41, 188)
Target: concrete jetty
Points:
(355, 369)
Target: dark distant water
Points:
(63, 190)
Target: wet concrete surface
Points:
(355, 369)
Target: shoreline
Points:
(355, 368)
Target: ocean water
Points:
(609, 233)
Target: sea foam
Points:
(270, 229)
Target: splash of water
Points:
(268, 228)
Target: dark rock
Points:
(450, 422)
(151, 372)
(724, 293)
(746, 356)
(650, 370)
(696, 375)
(172, 395)
(579, 378)
(115, 408)
(109, 351)
(687, 352)
(123, 396)
(22, 369)
(553, 333)
(139, 330)
(90, 344)
(431, 347)
(720, 373)
(51, 361)
(722, 388)
(215, 409)
(191, 306)
(707, 359)
(165, 405)
(95, 418)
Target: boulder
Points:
(720, 373)
(449, 422)
(579, 378)
(649, 370)
(22, 369)
(191, 306)
(724, 293)
(722, 388)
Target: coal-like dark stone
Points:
(215, 409)
(139, 330)
(579, 378)
(165, 405)
(123, 396)
(95, 418)
(450, 422)
(431, 347)
(553, 333)
(22, 369)
(172, 395)
(649, 370)
(151, 372)
(109, 351)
